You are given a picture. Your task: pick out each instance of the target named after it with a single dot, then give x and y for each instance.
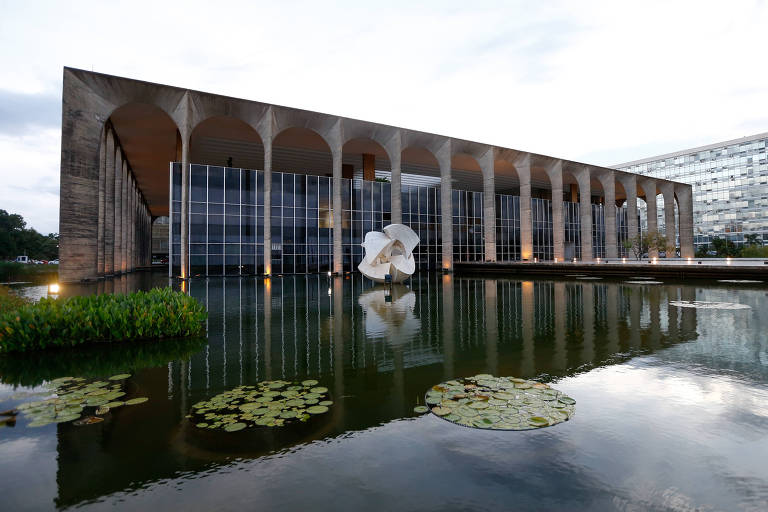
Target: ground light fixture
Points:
(53, 289)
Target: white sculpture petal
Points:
(377, 245)
(389, 254)
(404, 235)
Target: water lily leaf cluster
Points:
(66, 322)
(499, 403)
(78, 400)
(273, 403)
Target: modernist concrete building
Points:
(259, 188)
(730, 186)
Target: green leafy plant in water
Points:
(268, 404)
(67, 322)
(75, 399)
(499, 403)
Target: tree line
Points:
(18, 240)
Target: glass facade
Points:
(730, 186)
(226, 222)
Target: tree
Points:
(753, 239)
(16, 239)
(643, 243)
(725, 248)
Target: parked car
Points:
(53, 262)
(22, 259)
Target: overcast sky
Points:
(600, 82)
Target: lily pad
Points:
(268, 404)
(499, 403)
(421, 409)
(136, 401)
(234, 427)
(121, 376)
(88, 420)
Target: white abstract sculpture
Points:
(389, 253)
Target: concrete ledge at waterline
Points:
(681, 270)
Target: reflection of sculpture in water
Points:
(389, 254)
(389, 312)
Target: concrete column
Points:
(489, 205)
(649, 187)
(523, 168)
(685, 212)
(109, 205)
(585, 212)
(395, 187)
(101, 211)
(630, 189)
(446, 204)
(338, 248)
(609, 211)
(129, 223)
(184, 252)
(124, 217)
(668, 192)
(555, 172)
(118, 214)
(267, 206)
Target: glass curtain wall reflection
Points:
(468, 242)
(507, 227)
(226, 215)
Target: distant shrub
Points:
(754, 251)
(10, 271)
(67, 322)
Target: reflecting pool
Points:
(671, 402)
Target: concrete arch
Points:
(368, 150)
(202, 107)
(148, 138)
(218, 138)
(301, 150)
(329, 129)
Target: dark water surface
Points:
(671, 413)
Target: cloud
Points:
(23, 113)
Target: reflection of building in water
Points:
(314, 324)
(446, 326)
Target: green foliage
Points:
(10, 301)
(702, 251)
(643, 243)
(16, 239)
(754, 251)
(382, 180)
(10, 271)
(66, 322)
(725, 248)
(94, 360)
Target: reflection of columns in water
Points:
(447, 321)
(491, 328)
(635, 310)
(559, 359)
(688, 315)
(268, 328)
(672, 323)
(611, 317)
(527, 366)
(588, 322)
(338, 347)
(654, 304)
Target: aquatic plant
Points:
(9, 301)
(272, 403)
(66, 322)
(499, 403)
(74, 399)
